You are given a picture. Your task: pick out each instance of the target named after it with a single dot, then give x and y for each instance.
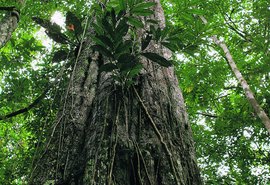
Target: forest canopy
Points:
(232, 143)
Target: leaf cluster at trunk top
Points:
(115, 38)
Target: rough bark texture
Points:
(248, 92)
(7, 26)
(106, 134)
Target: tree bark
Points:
(8, 24)
(105, 134)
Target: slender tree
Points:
(248, 92)
(114, 127)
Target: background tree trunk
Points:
(247, 90)
(7, 25)
(105, 134)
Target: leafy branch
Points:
(233, 27)
(115, 38)
(37, 100)
(29, 107)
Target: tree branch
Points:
(26, 109)
(38, 99)
(207, 115)
(235, 29)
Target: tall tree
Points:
(122, 119)
(232, 146)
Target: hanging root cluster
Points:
(130, 146)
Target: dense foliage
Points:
(232, 145)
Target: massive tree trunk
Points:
(105, 134)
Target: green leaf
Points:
(126, 58)
(142, 6)
(157, 58)
(97, 29)
(156, 32)
(123, 5)
(187, 17)
(54, 28)
(171, 46)
(127, 65)
(120, 14)
(135, 22)
(57, 37)
(152, 21)
(146, 41)
(97, 41)
(130, 3)
(42, 22)
(165, 32)
(196, 11)
(143, 12)
(112, 4)
(107, 26)
(113, 17)
(123, 47)
(135, 70)
(102, 50)
(121, 30)
(191, 49)
(105, 40)
(60, 56)
(109, 67)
